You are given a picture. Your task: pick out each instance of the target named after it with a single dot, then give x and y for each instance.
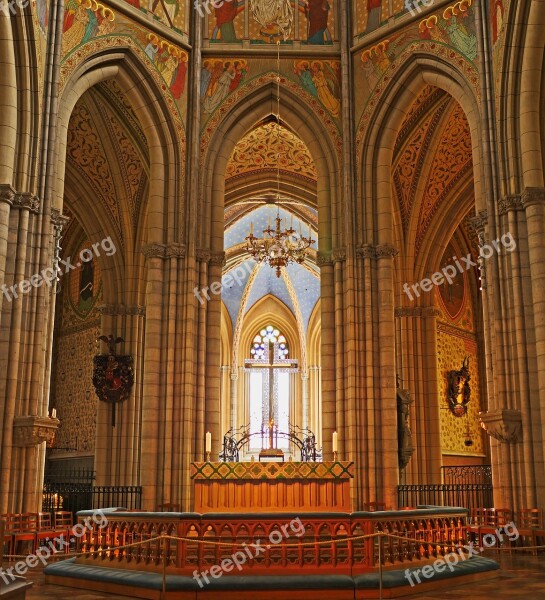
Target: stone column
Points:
(213, 341)
(533, 202)
(234, 398)
(388, 476)
(329, 374)
(154, 392)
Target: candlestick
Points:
(208, 445)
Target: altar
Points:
(246, 487)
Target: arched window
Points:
(270, 387)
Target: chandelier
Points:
(279, 247)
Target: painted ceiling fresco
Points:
(270, 146)
(114, 162)
(432, 155)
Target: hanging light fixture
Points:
(279, 247)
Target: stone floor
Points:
(521, 577)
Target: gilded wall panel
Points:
(77, 328)
(453, 345)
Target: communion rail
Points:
(331, 543)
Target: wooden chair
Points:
(45, 530)
(62, 526)
(496, 519)
(529, 523)
(477, 519)
(23, 529)
(7, 535)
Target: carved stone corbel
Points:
(32, 431)
(504, 425)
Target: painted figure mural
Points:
(275, 17)
(321, 79)
(374, 15)
(219, 79)
(317, 13)
(82, 23)
(225, 16)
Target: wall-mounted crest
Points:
(459, 390)
(113, 376)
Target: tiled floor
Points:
(521, 577)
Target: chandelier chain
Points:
(279, 247)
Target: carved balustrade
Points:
(330, 544)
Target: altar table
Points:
(272, 487)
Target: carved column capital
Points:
(7, 193)
(202, 255)
(58, 219)
(504, 425)
(175, 251)
(479, 221)
(509, 203)
(154, 251)
(323, 259)
(339, 255)
(217, 258)
(532, 196)
(26, 201)
(366, 251)
(212, 258)
(386, 251)
(32, 431)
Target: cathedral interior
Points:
(272, 257)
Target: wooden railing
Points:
(329, 544)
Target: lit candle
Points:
(208, 444)
(54, 413)
(335, 442)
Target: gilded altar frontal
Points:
(272, 301)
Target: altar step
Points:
(140, 584)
